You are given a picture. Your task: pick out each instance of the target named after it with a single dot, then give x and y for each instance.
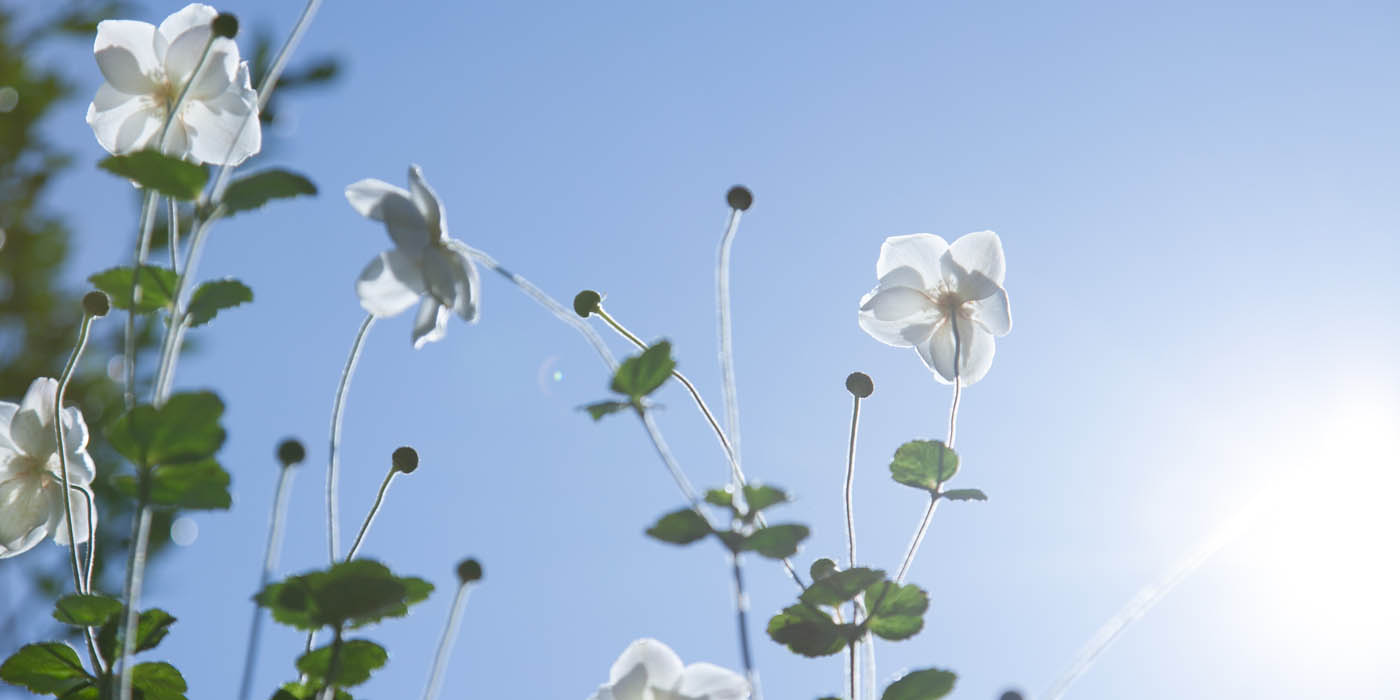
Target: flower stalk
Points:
(274, 545)
(726, 332)
(468, 572)
(337, 413)
(135, 572)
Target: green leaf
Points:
(896, 612)
(810, 632)
(157, 287)
(252, 191)
(605, 408)
(86, 609)
(358, 659)
(151, 628)
(777, 541)
(759, 497)
(202, 485)
(352, 593)
(720, 497)
(841, 586)
(185, 429)
(212, 297)
(305, 691)
(158, 681)
(681, 527)
(924, 464)
(154, 170)
(928, 684)
(642, 374)
(49, 668)
(964, 495)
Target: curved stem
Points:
(850, 486)
(741, 606)
(145, 225)
(337, 411)
(543, 299)
(726, 337)
(669, 459)
(274, 545)
(373, 511)
(444, 650)
(135, 571)
(83, 329)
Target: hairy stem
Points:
(333, 467)
(274, 545)
(373, 511)
(741, 606)
(444, 650)
(726, 339)
(135, 571)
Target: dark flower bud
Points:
(822, 568)
(405, 460)
(96, 304)
(225, 25)
(586, 302)
(739, 197)
(469, 570)
(1012, 695)
(290, 451)
(860, 385)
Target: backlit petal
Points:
(427, 202)
(993, 313)
(225, 130)
(7, 415)
(661, 666)
(975, 346)
(390, 284)
(78, 503)
(980, 252)
(452, 279)
(123, 123)
(367, 197)
(919, 252)
(25, 515)
(430, 323)
(704, 680)
(81, 469)
(126, 56)
(193, 17)
(897, 316)
(32, 427)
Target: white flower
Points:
(31, 483)
(649, 670)
(424, 266)
(930, 290)
(146, 67)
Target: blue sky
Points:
(1197, 202)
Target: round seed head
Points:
(586, 302)
(96, 304)
(739, 198)
(405, 460)
(290, 451)
(860, 385)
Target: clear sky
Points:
(1198, 202)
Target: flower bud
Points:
(739, 198)
(290, 451)
(1012, 695)
(822, 568)
(860, 385)
(96, 304)
(225, 25)
(405, 460)
(586, 302)
(468, 570)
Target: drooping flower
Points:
(649, 670)
(424, 266)
(146, 67)
(31, 481)
(936, 297)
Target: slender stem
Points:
(174, 109)
(952, 435)
(852, 672)
(265, 88)
(135, 571)
(175, 331)
(726, 338)
(146, 225)
(543, 299)
(91, 536)
(337, 411)
(373, 511)
(334, 668)
(173, 217)
(870, 678)
(444, 650)
(850, 486)
(736, 470)
(669, 459)
(274, 545)
(83, 329)
(741, 606)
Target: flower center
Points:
(949, 303)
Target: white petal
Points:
(452, 279)
(123, 123)
(389, 284)
(661, 666)
(975, 347)
(126, 55)
(898, 316)
(80, 519)
(430, 323)
(981, 252)
(919, 252)
(193, 17)
(32, 427)
(25, 515)
(709, 681)
(427, 202)
(81, 469)
(7, 415)
(994, 313)
(394, 206)
(225, 130)
(183, 55)
(177, 140)
(219, 74)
